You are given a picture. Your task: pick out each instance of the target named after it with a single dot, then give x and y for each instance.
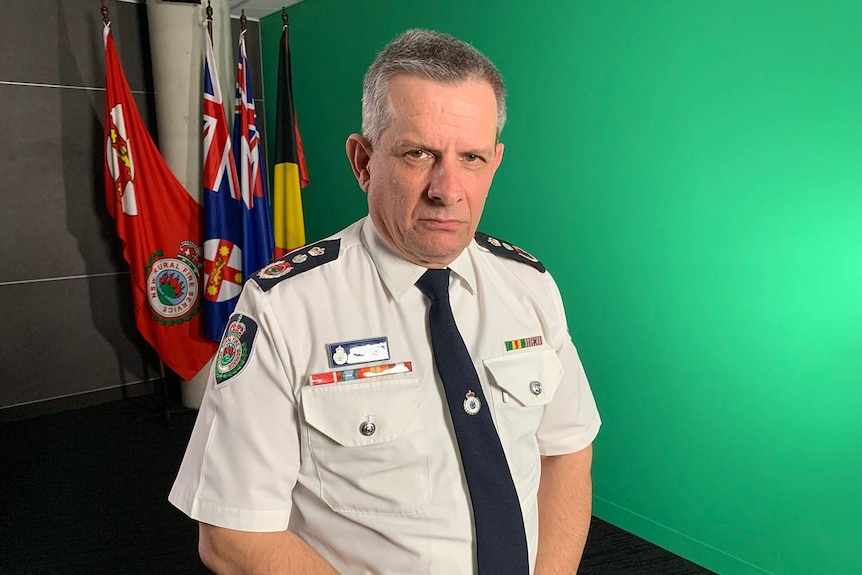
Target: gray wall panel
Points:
(64, 285)
(75, 335)
(55, 222)
(60, 42)
(72, 336)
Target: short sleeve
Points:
(571, 420)
(242, 460)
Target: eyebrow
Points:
(411, 144)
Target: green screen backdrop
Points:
(691, 173)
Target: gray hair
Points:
(429, 55)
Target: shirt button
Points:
(367, 428)
(536, 387)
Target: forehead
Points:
(422, 103)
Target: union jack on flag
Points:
(219, 172)
(258, 242)
(223, 229)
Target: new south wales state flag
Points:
(257, 239)
(290, 174)
(223, 208)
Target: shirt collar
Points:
(400, 275)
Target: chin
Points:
(442, 253)
(436, 247)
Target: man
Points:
(334, 435)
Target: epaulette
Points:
(298, 261)
(507, 250)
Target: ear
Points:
(498, 156)
(359, 154)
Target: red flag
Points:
(159, 224)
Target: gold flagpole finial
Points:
(105, 16)
(284, 17)
(242, 20)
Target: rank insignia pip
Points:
(235, 347)
(297, 262)
(507, 250)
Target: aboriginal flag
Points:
(290, 174)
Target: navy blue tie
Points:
(501, 544)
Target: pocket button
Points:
(367, 428)
(536, 388)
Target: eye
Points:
(417, 154)
(473, 158)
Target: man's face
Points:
(429, 175)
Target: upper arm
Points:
(216, 547)
(244, 454)
(576, 461)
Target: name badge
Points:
(358, 352)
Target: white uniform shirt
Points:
(270, 451)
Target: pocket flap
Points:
(341, 411)
(531, 376)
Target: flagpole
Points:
(210, 18)
(163, 384)
(134, 169)
(166, 406)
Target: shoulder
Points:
(314, 256)
(297, 262)
(504, 249)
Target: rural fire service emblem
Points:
(275, 270)
(235, 347)
(173, 284)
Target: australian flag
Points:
(258, 242)
(223, 208)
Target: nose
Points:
(445, 186)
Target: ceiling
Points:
(257, 9)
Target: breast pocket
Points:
(531, 377)
(526, 381)
(368, 444)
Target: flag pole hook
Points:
(210, 17)
(105, 17)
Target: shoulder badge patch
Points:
(235, 348)
(298, 261)
(507, 250)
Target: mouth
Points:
(441, 224)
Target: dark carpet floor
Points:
(85, 491)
